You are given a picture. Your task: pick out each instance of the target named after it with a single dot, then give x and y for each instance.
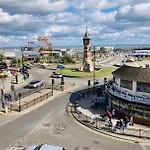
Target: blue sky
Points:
(109, 21)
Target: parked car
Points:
(35, 84)
(44, 147)
(23, 69)
(60, 66)
(56, 75)
(43, 66)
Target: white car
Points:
(56, 75)
(44, 147)
(35, 83)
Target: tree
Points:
(14, 61)
(67, 58)
(2, 57)
(102, 49)
(37, 59)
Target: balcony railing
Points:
(127, 96)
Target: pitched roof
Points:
(131, 73)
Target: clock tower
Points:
(87, 65)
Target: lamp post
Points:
(53, 82)
(94, 70)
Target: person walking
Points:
(113, 113)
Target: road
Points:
(110, 61)
(53, 125)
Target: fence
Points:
(99, 124)
(32, 91)
(30, 103)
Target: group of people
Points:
(122, 122)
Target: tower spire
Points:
(86, 32)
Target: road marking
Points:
(34, 129)
(16, 148)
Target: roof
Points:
(131, 73)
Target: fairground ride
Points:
(45, 47)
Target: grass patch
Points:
(104, 71)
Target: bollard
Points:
(6, 109)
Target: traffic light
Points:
(89, 83)
(62, 80)
(53, 81)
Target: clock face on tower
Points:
(86, 42)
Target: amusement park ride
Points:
(45, 47)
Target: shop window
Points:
(143, 87)
(126, 84)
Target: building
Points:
(141, 53)
(129, 93)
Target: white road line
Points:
(16, 148)
(24, 137)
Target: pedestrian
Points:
(109, 115)
(131, 121)
(126, 121)
(113, 113)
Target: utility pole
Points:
(94, 70)
(53, 82)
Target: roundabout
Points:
(72, 72)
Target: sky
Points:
(109, 22)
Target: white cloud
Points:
(134, 13)
(119, 21)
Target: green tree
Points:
(67, 58)
(14, 61)
(102, 49)
(2, 57)
(37, 59)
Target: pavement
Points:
(133, 131)
(7, 83)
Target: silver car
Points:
(56, 75)
(35, 84)
(44, 147)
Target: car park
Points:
(44, 147)
(56, 75)
(35, 84)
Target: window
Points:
(126, 84)
(143, 87)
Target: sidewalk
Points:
(7, 83)
(85, 112)
(4, 118)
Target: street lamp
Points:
(94, 70)
(53, 82)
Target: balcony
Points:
(118, 92)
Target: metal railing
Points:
(99, 124)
